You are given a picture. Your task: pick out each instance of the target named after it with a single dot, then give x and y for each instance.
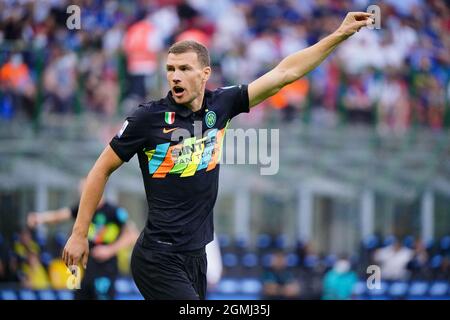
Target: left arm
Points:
(296, 65)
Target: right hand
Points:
(76, 251)
(33, 220)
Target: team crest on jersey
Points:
(169, 117)
(210, 119)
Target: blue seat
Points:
(266, 260)
(281, 241)
(417, 290)
(242, 243)
(224, 241)
(251, 286)
(228, 285)
(445, 243)
(8, 295)
(380, 293)
(123, 286)
(436, 261)
(230, 260)
(389, 240)
(250, 260)
(65, 295)
(330, 260)
(311, 261)
(26, 294)
(398, 289)
(359, 289)
(438, 289)
(47, 295)
(292, 260)
(263, 241)
(371, 242)
(408, 242)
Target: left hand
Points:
(353, 22)
(103, 252)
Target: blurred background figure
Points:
(339, 282)
(279, 283)
(393, 261)
(109, 232)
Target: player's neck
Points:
(197, 103)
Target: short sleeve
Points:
(132, 136)
(238, 96)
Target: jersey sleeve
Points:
(237, 96)
(132, 136)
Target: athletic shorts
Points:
(161, 275)
(98, 282)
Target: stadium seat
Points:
(398, 289)
(250, 286)
(371, 242)
(379, 293)
(65, 295)
(123, 286)
(417, 290)
(224, 241)
(292, 260)
(445, 244)
(359, 290)
(47, 295)
(228, 285)
(311, 261)
(8, 295)
(266, 260)
(389, 240)
(230, 260)
(263, 241)
(281, 242)
(250, 260)
(436, 262)
(242, 243)
(439, 290)
(408, 242)
(330, 260)
(27, 295)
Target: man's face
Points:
(186, 76)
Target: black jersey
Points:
(180, 163)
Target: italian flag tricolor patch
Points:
(169, 117)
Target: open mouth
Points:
(178, 91)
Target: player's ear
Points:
(206, 73)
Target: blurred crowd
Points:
(32, 259)
(303, 272)
(394, 77)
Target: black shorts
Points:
(161, 275)
(98, 282)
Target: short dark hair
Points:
(194, 46)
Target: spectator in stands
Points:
(17, 87)
(338, 282)
(393, 261)
(35, 275)
(278, 281)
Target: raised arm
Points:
(296, 65)
(48, 217)
(77, 249)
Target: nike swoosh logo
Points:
(169, 130)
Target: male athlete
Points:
(109, 231)
(179, 163)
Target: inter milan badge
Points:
(210, 119)
(169, 117)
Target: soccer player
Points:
(109, 231)
(179, 163)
